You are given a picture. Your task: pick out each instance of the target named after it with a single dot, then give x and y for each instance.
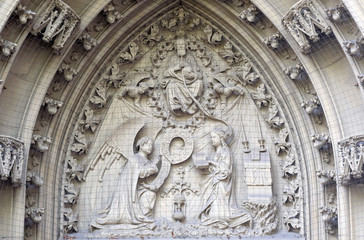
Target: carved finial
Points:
(68, 71)
(112, 15)
(7, 47)
(41, 143)
(52, 105)
(24, 14)
(295, 72)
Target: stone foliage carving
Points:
(34, 214)
(169, 80)
(112, 15)
(35, 179)
(41, 143)
(52, 105)
(274, 41)
(11, 159)
(313, 107)
(249, 14)
(303, 21)
(330, 218)
(336, 14)
(24, 14)
(7, 47)
(326, 176)
(321, 141)
(87, 41)
(354, 48)
(68, 72)
(351, 158)
(295, 72)
(56, 24)
(360, 79)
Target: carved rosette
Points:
(302, 22)
(351, 158)
(11, 159)
(57, 23)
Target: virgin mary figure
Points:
(132, 202)
(218, 208)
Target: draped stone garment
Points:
(130, 205)
(218, 209)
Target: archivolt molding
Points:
(111, 79)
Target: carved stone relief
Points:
(52, 105)
(354, 48)
(174, 139)
(41, 143)
(7, 47)
(11, 159)
(305, 23)
(56, 24)
(274, 41)
(24, 14)
(295, 72)
(336, 14)
(351, 158)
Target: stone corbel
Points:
(68, 72)
(274, 41)
(24, 14)
(11, 159)
(326, 176)
(295, 72)
(112, 15)
(336, 14)
(361, 80)
(351, 159)
(52, 105)
(35, 179)
(249, 14)
(329, 216)
(321, 141)
(88, 42)
(56, 24)
(355, 48)
(41, 143)
(7, 47)
(34, 214)
(312, 106)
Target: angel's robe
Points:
(131, 204)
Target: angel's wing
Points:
(119, 144)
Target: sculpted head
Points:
(145, 145)
(188, 72)
(218, 138)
